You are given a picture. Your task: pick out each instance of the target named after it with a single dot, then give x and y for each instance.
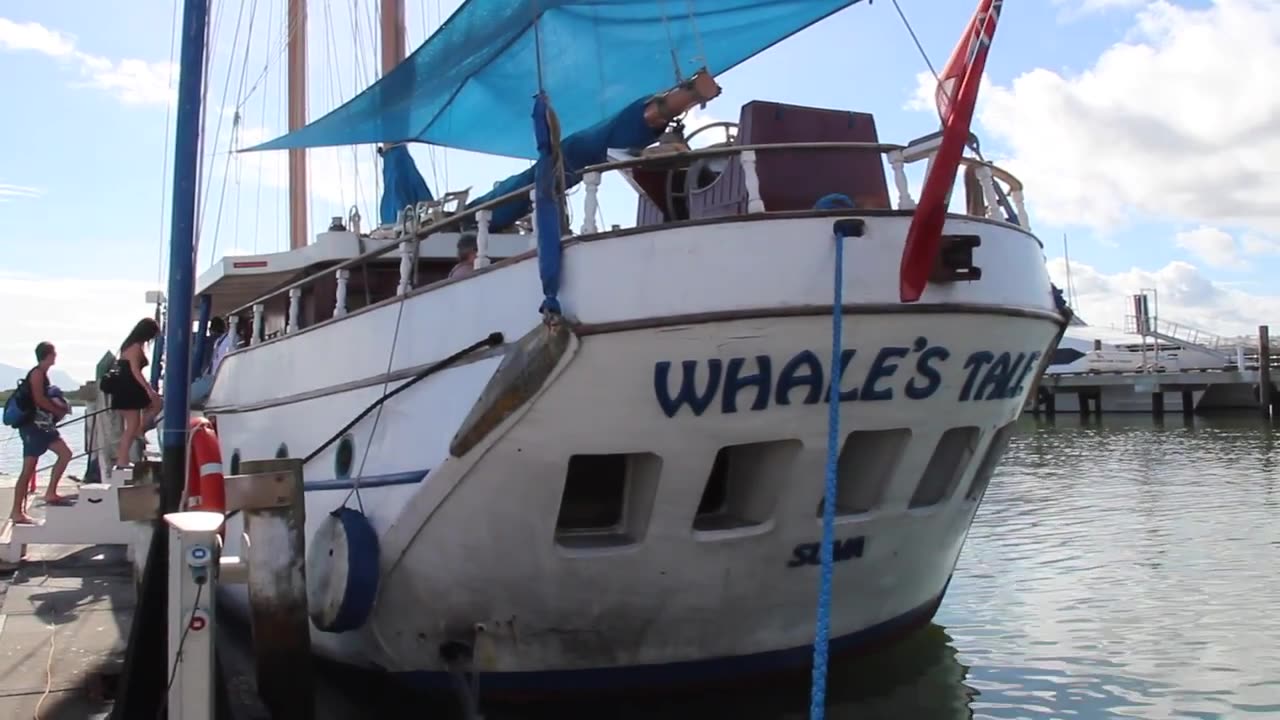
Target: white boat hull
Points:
(471, 550)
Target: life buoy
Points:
(204, 469)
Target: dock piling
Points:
(1264, 370)
(276, 556)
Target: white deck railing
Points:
(417, 222)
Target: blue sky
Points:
(1128, 120)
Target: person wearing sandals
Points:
(39, 435)
(131, 395)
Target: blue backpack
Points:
(19, 409)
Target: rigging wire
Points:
(280, 166)
(235, 124)
(272, 58)
(331, 79)
(257, 205)
(210, 39)
(164, 172)
(237, 118)
(915, 39)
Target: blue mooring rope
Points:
(818, 694)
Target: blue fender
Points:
(342, 571)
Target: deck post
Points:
(751, 179)
(256, 336)
(281, 623)
(1157, 403)
(1264, 369)
(590, 203)
(482, 239)
(1188, 403)
(340, 297)
(406, 267)
(295, 306)
(898, 164)
(1020, 207)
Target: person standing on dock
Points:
(39, 435)
(131, 395)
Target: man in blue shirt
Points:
(40, 434)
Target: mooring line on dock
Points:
(48, 672)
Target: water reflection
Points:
(919, 678)
(1125, 567)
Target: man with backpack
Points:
(35, 414)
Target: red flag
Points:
(956, 96)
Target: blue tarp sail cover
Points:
(582, 149)
(547, 213)
(402, 184)
(468, 86)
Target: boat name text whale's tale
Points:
(915, 372)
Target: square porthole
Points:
(990, 461)
(607, 499)
(743, 486)
(950, 458)
(867, 464)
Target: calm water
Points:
(1116, 570)
(11, 449)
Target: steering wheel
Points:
(695, 168)
(730, 133)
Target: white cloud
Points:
(84, 318)
(132, 81)
(1215, 247)
(1180, 121)
(1186, 296)
(18, 192)
(1257, 245)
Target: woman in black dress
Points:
(131, 394)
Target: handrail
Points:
(884, 148)
(412, 232)
(420, 235)
(738, 150)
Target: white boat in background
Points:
(622, 487)
(1166, 347)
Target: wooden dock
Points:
(64, 619)
(1187, 391)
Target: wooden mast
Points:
(393, 41)
(297, 118)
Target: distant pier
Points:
(1160, 391)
